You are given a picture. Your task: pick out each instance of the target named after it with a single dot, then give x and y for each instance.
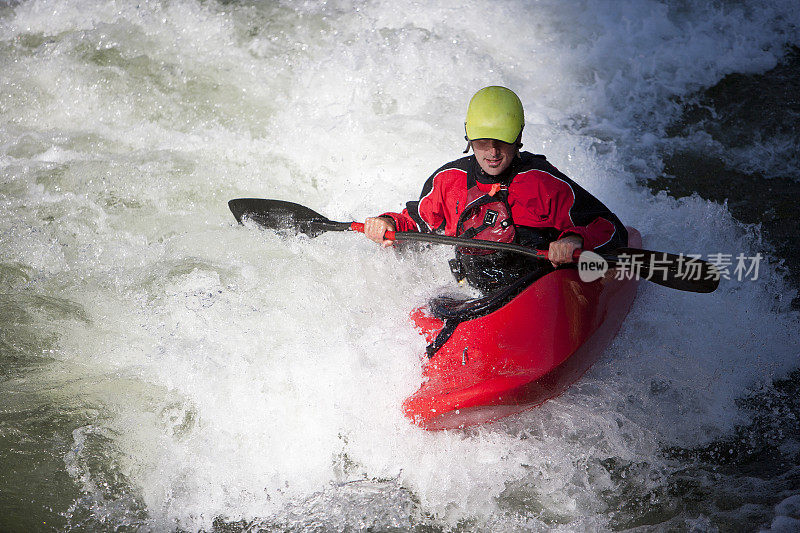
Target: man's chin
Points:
(493, 171)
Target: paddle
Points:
(669, 270)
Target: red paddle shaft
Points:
(390, 236)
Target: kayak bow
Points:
(523, 353)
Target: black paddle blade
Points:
(681, 272)
(283, 216)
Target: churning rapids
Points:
(164, 369)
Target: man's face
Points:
(494, 156)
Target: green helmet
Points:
(495, 113)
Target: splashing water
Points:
(164, 368)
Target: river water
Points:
(164, 369)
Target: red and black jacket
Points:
(542, 202)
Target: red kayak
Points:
(516, 357)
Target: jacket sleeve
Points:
(402, 221)
(580, 213)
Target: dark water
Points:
(739, 112)
(738, 481)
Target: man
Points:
(504, 195)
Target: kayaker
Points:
(504, 195)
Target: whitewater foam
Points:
(248, 376)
